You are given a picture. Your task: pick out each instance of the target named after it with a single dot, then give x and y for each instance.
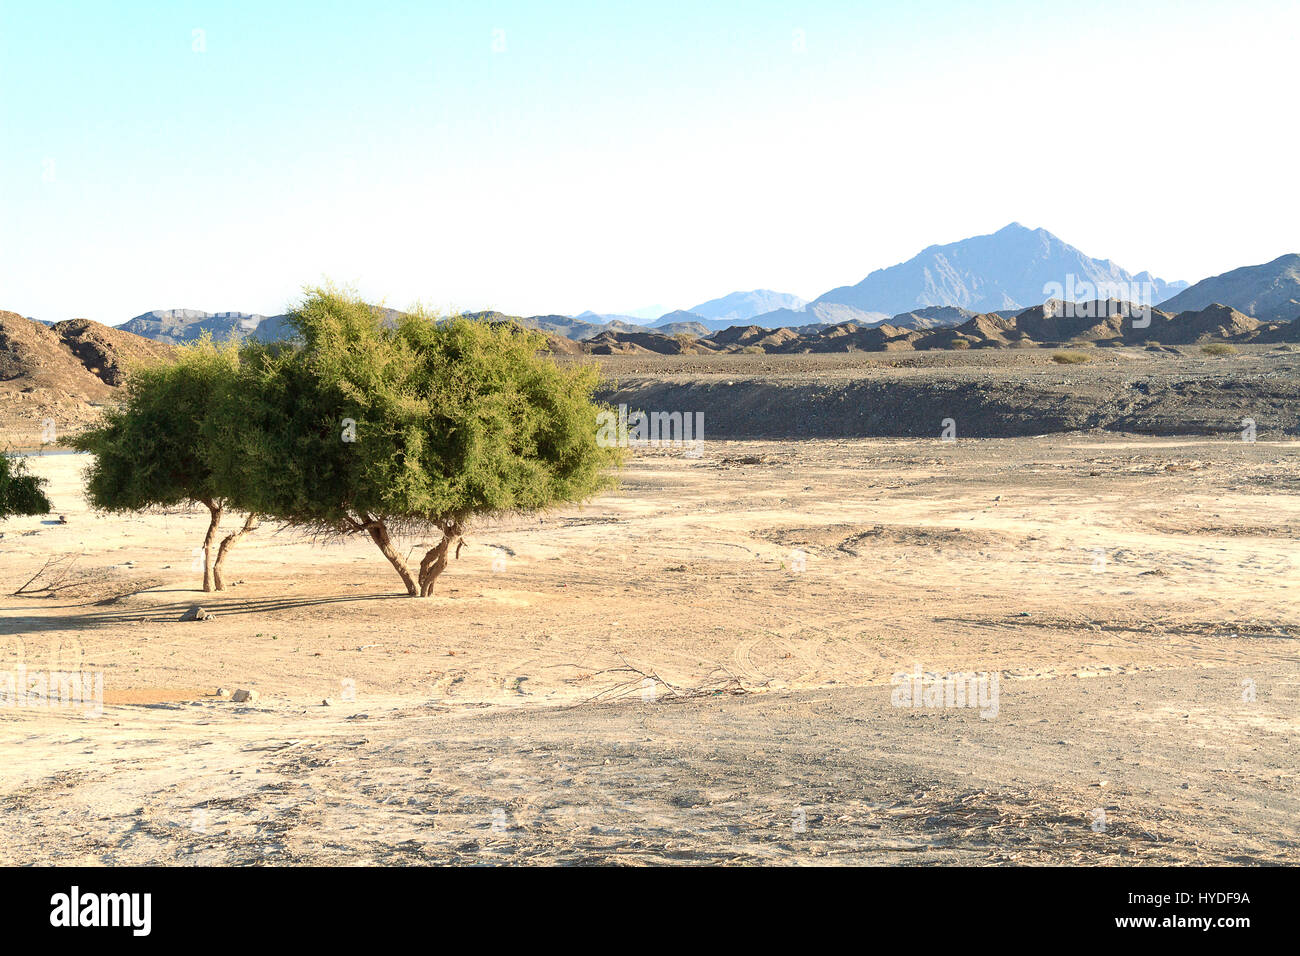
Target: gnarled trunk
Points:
(379, 534)
(435, 561)
(215, 510)
(250, 523)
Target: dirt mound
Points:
(990, 327)
(1212, 324)
(849, 337)
(633, 343)
(740, 335)
(1061, 322)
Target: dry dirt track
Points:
(1132, 595)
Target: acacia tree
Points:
(149, 451)
(391, 426)
(20, 493)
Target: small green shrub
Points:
(20, 493)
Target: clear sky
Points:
(560, 156)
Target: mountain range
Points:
(1054, 323)
(1001, 274)
(70, 368)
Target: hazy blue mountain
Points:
(1268, 292)
(1012, 268)
(815, 313)
(604, 318)
(739, 307)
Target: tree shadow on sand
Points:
(20, 620)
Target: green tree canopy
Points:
(149, 451)
(402, 425)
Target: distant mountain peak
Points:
(1011, 268)
(738, 307)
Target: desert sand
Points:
(696, 667)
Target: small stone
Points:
(245, 696)
(223, 691)
(197, 613)
(327, 702)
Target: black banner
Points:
(261, 905)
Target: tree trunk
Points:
(210, 537)
(230, 541)
(435, 562)
(379, 533)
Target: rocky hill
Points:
(1268, 292)
(61, 373)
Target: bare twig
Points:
(719, 681)
(63, 564)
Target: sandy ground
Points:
(694, 668)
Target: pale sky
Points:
(567, 156)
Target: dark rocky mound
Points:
(104, 351)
